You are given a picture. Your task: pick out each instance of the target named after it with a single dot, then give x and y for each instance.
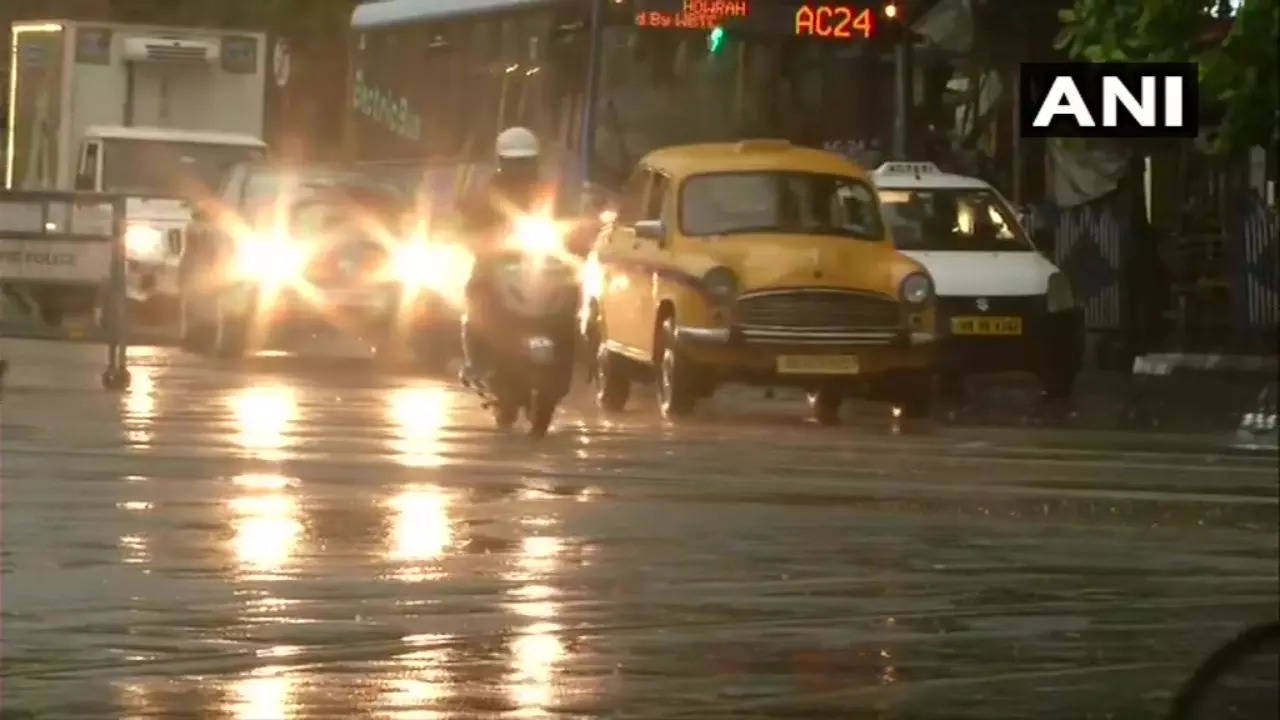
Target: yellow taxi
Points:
(756, 262)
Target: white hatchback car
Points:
(1002, 305)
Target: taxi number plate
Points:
(818, 364)
(986, 326)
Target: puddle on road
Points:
(373, 548)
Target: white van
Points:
(1002, 305)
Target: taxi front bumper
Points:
(751, 354)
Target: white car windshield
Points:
(778, 202)
(951, 219)
(152, 167)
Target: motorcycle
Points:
(523, 313)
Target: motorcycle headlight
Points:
(916, 289)
(413, 263)
(1058, 295)
(270, 258)
(537, 235)
(721, 284)
(144, 242)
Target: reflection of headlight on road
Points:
(144, 242)
(270, 258)
(537, 235)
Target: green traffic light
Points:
(715, 40)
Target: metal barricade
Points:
(1254, 245)
(1090, 249)
(57, 244)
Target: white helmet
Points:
(517, 142)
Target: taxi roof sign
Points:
(908, 168)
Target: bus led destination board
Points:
(822, 21)
(834, 22)
(691, 14)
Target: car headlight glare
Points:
(721, 284)
(1059, 295)
(270, 258)
(413, 263)
(916, 289)
(144, 242)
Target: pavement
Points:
(293, 539)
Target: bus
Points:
(603, 82)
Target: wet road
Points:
(298, 540)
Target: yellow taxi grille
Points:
(817, 309)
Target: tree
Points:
(1238, 73)
(1241, 73)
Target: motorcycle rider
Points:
(513, 189)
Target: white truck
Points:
(154, 113)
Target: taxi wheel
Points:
(613, 386)
(677, 381)
(825, 404)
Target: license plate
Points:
(986, 326)
(818, 364)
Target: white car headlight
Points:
(270, 258)
(1058, 295)
(413, 263)
(144, 242)
(916, 289)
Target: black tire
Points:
(541, 410)
(1222, 661)
(231, 335)
(613, 385)
(825, 404)
(677, 375)
(194, 335)
(915, 399)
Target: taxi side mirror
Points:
(651, 230)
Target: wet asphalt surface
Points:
(293, 539)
